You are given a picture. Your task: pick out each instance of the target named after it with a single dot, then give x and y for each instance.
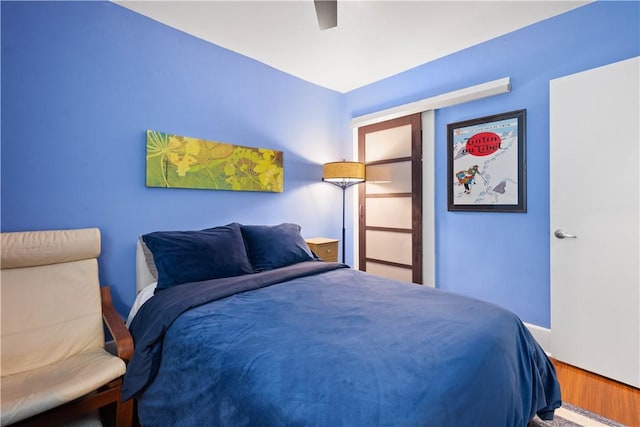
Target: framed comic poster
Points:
(486, 164)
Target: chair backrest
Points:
(50, 297)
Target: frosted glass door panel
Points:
(398, 177)
(388, 144)
(390, 220)
(389, 246)
(397, 273)
(394, 212)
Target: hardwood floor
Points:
(611, 399)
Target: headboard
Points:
(144, 277)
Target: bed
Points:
(242, 325)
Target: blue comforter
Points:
(320, 345)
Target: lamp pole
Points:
(344, 185)
(344, 246)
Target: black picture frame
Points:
(487, 163)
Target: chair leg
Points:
(124, 413)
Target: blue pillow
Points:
(275, 246)
(191, 256)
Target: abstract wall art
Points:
(175, 161)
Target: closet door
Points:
(390, 201)
(595, 220)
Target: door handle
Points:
(564, 235)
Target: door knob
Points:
(564, 235)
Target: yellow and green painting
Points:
(182, 162)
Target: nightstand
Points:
(326, 249)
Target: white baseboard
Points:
(542, 335)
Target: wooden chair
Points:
(54, 366)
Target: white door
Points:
(595, 232)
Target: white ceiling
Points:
(374, 39)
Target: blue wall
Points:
(504, 257)
(82, 81)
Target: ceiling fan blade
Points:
(327, 13)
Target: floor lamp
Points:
(343, 174)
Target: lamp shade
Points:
(343, 173)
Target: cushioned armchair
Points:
(54, 364)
